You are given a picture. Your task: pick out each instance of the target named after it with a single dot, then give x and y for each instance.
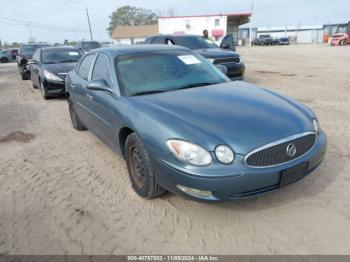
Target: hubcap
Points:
(136, 166)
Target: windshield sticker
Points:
(189, 59)
(73, 53)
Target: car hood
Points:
(338, 35)
(59, 68)
(216, 53)
(236, 113)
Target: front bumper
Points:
(240, 182)
(55, 88)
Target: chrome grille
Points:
(276, 153)
(226, 60)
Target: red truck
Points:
(342, 35)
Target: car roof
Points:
(35, 44)
(59, 48)
(180, 35)
(135, 49)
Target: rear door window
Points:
(159, 40)
(84, 68)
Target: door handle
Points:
(73, 86)
(89, 96)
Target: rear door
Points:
(80, 94)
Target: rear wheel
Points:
(343, 42)
(77, 124)
(140, 169)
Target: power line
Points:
(43, 26)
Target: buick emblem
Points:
(291, 150)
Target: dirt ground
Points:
(65, 192)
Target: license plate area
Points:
(293, 174)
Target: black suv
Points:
(86, 46)
(24, 55)
(218, 56)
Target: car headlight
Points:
(211, 60)
(189, 153)
(241, 60)
(316, 126)
(224, 154)
(50, 76)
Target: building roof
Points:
(134, 31)
(224, 14)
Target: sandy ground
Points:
(65, 192)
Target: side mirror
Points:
(225, 46)
(99, 85)
(223, 69)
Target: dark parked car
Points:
(183, 126)
(49, 67)
(86, 46)
(263, 40)
(284, 41)
(24, 55)
(223, 56)
(8, 55)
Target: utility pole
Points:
(88, 18)
(250, 24)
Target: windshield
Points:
(341, 29)
(91, 45)
(30, 49)
(164, 71)
(57, 56)
(195, 42)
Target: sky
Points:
(57, 20)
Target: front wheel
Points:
(140, 169)
(343, 42)
(4, 60)
(43, 90)
(33, 84)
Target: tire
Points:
(33, 85)
(24, 77)
(77, 124)
(43, 90)
(140, 169)
(342, 42)
(4, 60)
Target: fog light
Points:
(194, 192)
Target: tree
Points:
(15, 44)
(129, 15)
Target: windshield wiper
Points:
(148, 92)
(197, 85)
